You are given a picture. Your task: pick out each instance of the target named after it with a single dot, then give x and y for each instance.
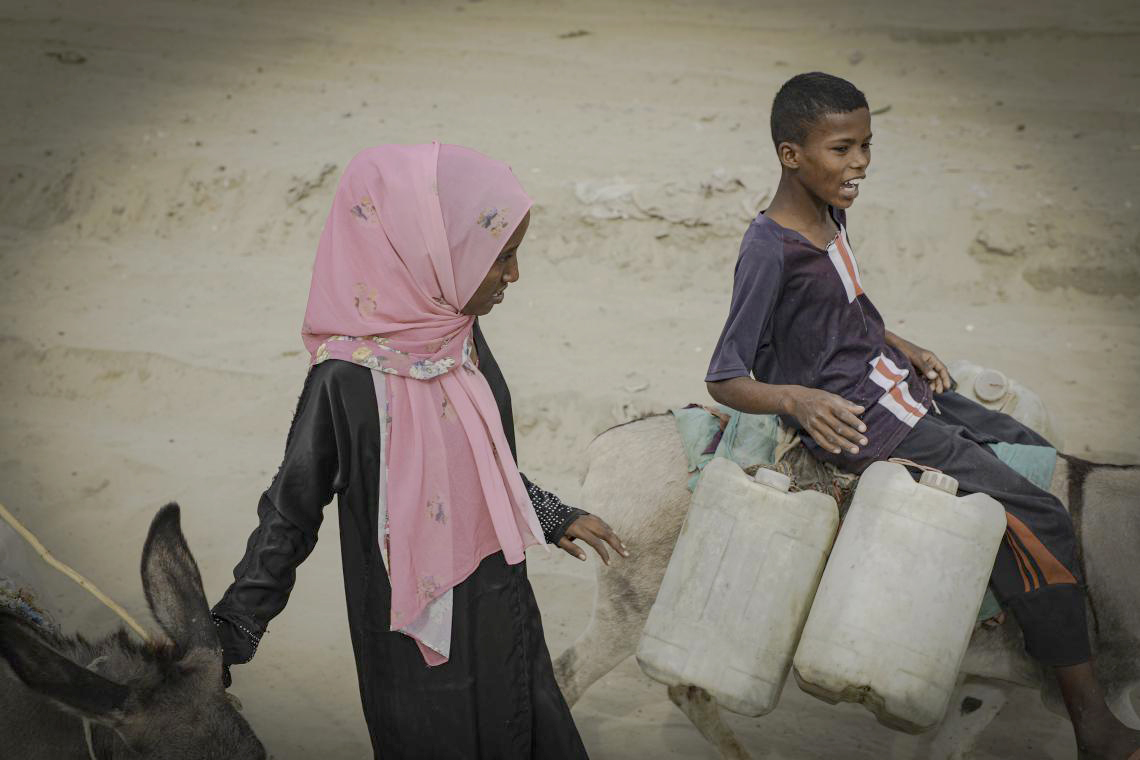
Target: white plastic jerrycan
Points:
(900, 596)
(993, 390)
(738, 587)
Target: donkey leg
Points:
(973, 707)
(636, 482)
(611, 635)
(700, 708)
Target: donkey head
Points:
(162, 702)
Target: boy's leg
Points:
(986, 423)
(1035, 575)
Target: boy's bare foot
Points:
(1111, 740)
(1100, 736)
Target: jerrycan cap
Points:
(772, 479)
(939, 480)
(990, 385)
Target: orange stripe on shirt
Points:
(885, 371)
(896, 394)
(1051, 568)
(848, 263)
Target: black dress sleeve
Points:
(554, 515)
(289, 514)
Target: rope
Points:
(28, 536)
(915, 465)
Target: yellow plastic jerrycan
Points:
(899, 598)
(993, 390)
(738, 587)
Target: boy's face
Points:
(834, 157)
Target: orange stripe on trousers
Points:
(1021, 562)
(1051, 567)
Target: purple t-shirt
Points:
(799, 316)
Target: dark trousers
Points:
(1036, 575)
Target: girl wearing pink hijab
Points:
(406, 418)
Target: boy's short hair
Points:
(804, 98)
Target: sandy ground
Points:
(165, 169)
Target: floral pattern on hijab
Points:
(412, 232)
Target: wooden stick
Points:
(28, 536)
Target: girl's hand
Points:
(594, 531)
(832, 421)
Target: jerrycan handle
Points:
(773, 479)
(931, 476)
(939, 480)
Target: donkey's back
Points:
(636, 480)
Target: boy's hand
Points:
(830, 420)
(928, 364)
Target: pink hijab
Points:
(413, 231)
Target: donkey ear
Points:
(44, 670)
(173, 586)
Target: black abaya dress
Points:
(496, 697)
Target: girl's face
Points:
(503, 272)
(834, 157)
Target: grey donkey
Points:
(636, 480)
(66, 698)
